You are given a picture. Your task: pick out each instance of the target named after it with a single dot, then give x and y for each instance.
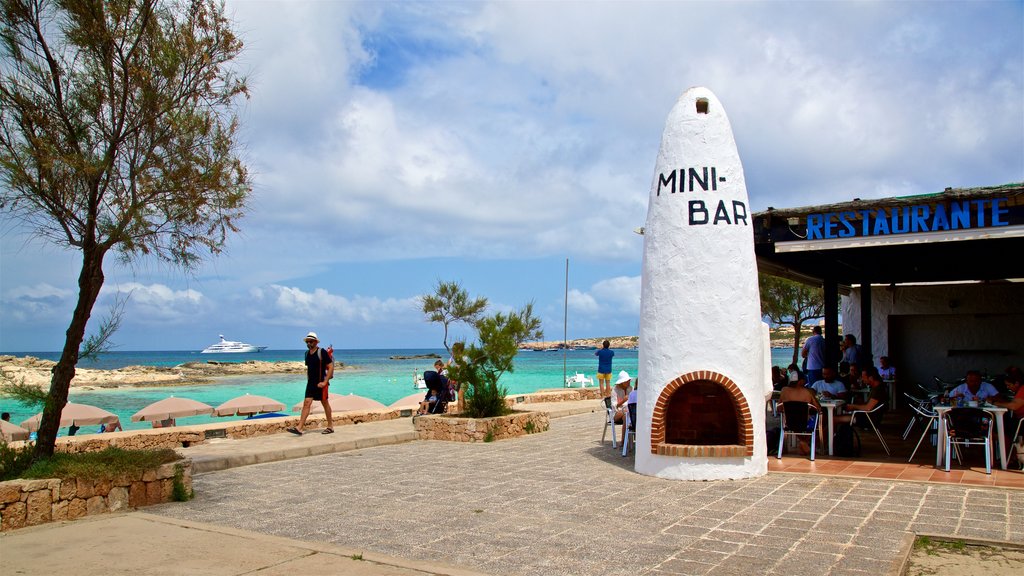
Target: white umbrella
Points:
(11, 432)
(75, 414)
(172, 408)
(343, 403)
(248, 405)
(410, 401)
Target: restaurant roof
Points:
(954, 235)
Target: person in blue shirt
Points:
(604, 369)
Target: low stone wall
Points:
(456, 429)
(184, 436)
(30, 502)
(562, 395)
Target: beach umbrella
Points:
(343, 403)
(11, 432)
(410, 401)
(172, 407)
(75, 414)
(248, 405)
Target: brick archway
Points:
(745, 431)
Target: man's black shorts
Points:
(315, 392)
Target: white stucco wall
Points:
(944, 328)
(700, 308)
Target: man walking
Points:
(319, 371)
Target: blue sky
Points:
(393, 145)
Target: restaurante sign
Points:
(908, 219)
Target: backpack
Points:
(846, 442)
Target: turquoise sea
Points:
(372, 374)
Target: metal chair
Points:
(630, 425)
(923, 412)
(796, 419)
(969, 427)
(915, 403)
(867, 415)
(609, 421)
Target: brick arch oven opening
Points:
(702, 414)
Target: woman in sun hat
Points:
(622, 389)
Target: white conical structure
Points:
(700, 314)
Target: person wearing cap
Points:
(319, 371)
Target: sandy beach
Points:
(37, 372)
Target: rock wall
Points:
(30, 502)
(455, 429)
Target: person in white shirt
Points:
(828, 386)
(974, 389)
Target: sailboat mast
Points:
(565, 326)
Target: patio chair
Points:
(969, 427)
(914, 403)
(877, 411)
(926, 413)
(796, 417)
(609, 421)
(630, 425)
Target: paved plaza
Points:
(562, 503)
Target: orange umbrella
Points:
(410, 401)
(172, 408)
(11, 432)
(248, 405)
(75, 414)
(343, 403)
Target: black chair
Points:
(630, 428)
(796, 416)
(969, 427)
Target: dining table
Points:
(830, 405)
(996, 412)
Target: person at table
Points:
(879, 395)
(1015, 406)
(974, 389)
(793, 374)
(829, 386)
(778, 378)
(885, 368)
(796, 391)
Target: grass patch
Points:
(530, 428)
(489, 436)
(109, 463)
(357, 556)
(933, 547)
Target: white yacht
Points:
(229, 347)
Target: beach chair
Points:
(796, 419)
(609, 421)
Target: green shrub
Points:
(14, 461)
(110, 463)
(179, 492)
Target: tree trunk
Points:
(90, 280)
(796, 342)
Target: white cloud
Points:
(154, 303)
(291, 306)
(39, 302)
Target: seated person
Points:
(854, 379)
(796, 391)
(829, 386)
(885, 369)
(164, 423)
(1015, 406)
(879, 395)
(113, 427)
(974, 389)
(793, 374)
(621, 392)
(435, 400)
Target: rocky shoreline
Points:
(37, 372)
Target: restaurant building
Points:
(935, 282)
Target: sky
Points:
(393, 145)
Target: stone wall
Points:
(455, 429)
(30, 502)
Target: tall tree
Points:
(118, 134)
(787, 302)
(450, 303)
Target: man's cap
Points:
(311, 336)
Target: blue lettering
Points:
(830, 226)
(980, 205)
(881, 224)
(865, 222)
(814, 226)
(900, 220)
(939, 220)
(960, 215)
(844, 219)
(998, 213)
(918, 220)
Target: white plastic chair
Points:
(969, 427)
(867, 414)
(796, 425)
(609, 421)
(629, 422)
